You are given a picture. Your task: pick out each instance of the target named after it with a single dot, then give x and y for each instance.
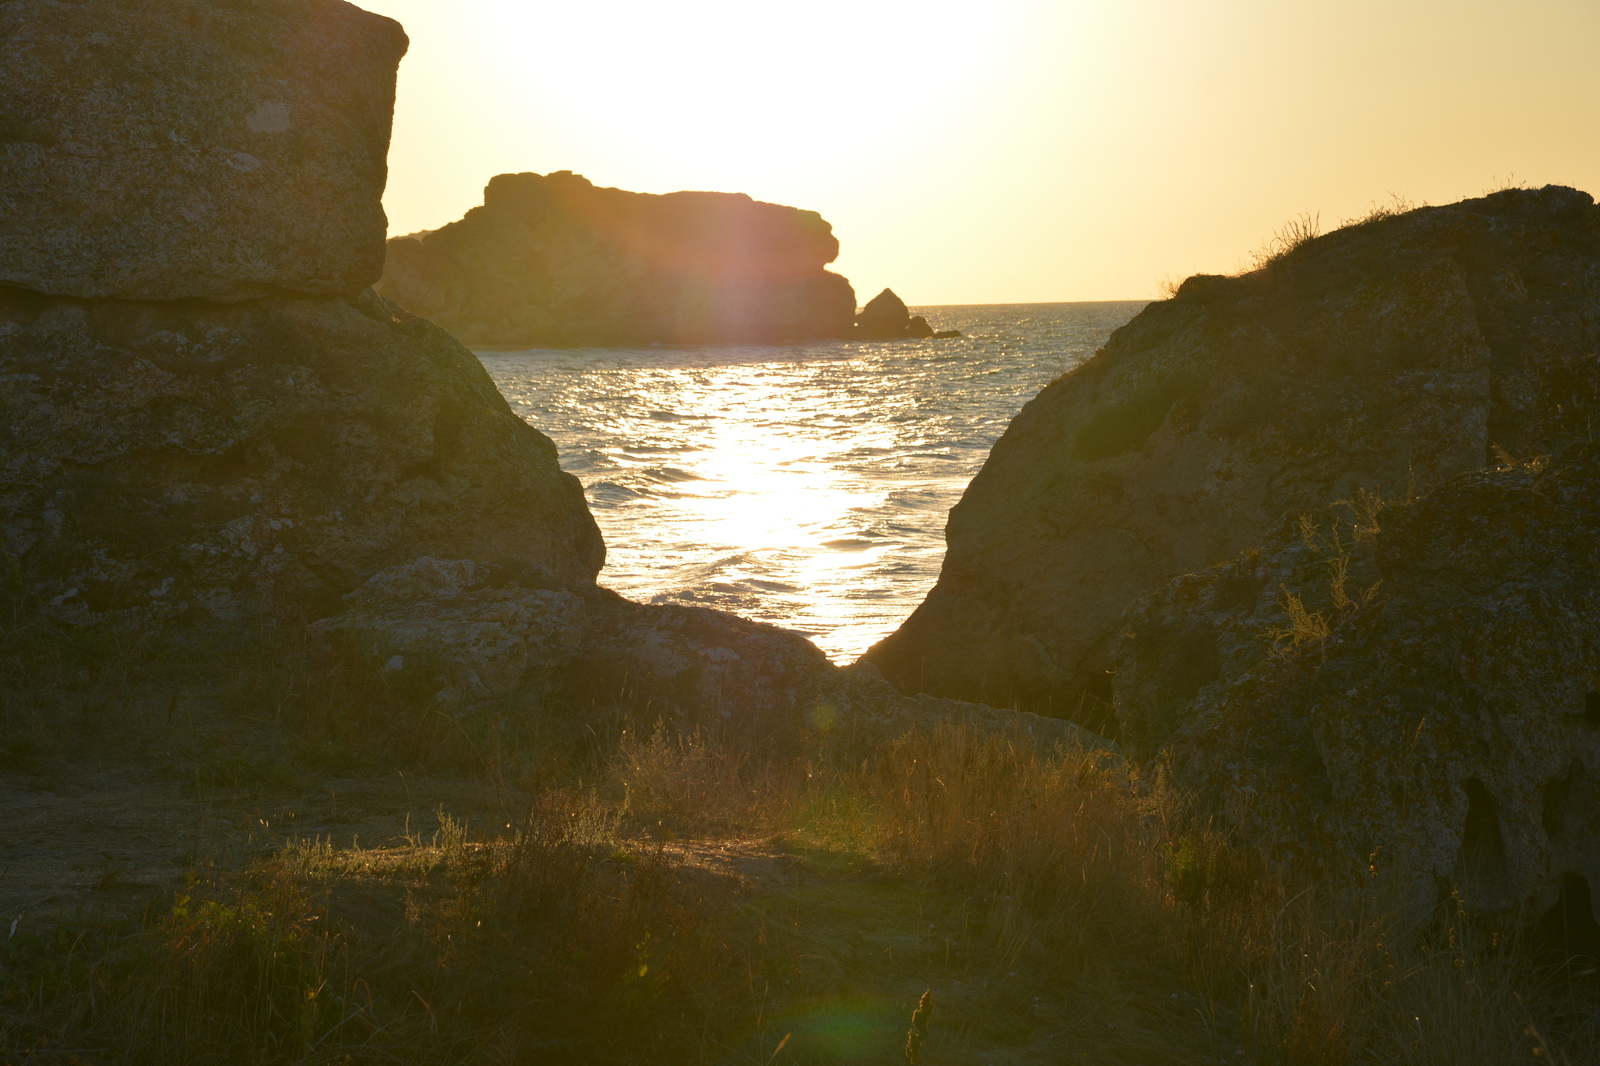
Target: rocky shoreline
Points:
(213, 426)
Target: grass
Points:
(665, 897)
(1297, 232)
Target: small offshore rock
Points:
(884, 317)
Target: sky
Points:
(1007, 151)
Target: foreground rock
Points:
(162, 151)
(551, 260)
(463, 635)
(172, 461)
(1424, 692)
(1386, 355)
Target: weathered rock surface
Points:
(551, 260)
(460, 634)
(162, 150)
(1439, 706)
(442, 628)
(1389, 354)
(185, 461)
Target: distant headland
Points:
(553, 260)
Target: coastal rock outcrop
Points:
(180, 459)
(165, 150)
(1386, 357)
(552, 260)
(1417, 683)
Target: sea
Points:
(807, 484)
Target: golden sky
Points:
(1007, 150)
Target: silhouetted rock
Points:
(884, 316)
(171, 461)
(553, 260)
(164, 150)
(1393, 353)
(947, 334)
(1435, 707)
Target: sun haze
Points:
(1006, 151)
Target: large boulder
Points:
(454, 631)
(552, 260)
(166, 149)
(466, 637)
(259, 453)
(1417, 688)
(1386, 356)
(176, 460)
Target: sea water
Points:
(805, 485)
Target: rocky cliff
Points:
(1385, 357)
(204, 417)
(1413, 685)
(552, 260)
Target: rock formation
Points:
(552, 260)
(463, 636)
(167, 456)
(1387, 356)
(220, 425)
(1417, 684)
(886, 317)
(160, 150)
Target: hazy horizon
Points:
(1020, 152)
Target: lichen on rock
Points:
(166, 150)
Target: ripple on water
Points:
(807, 484)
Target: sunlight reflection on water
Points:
(804, 485)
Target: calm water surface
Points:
(805, 485)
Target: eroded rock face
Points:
(165, 461)
(1441, 712)
(1383, 356)
(551, 260)
(162, 149)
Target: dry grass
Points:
(664, 899)
(1394, 207)
(1295, 233)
